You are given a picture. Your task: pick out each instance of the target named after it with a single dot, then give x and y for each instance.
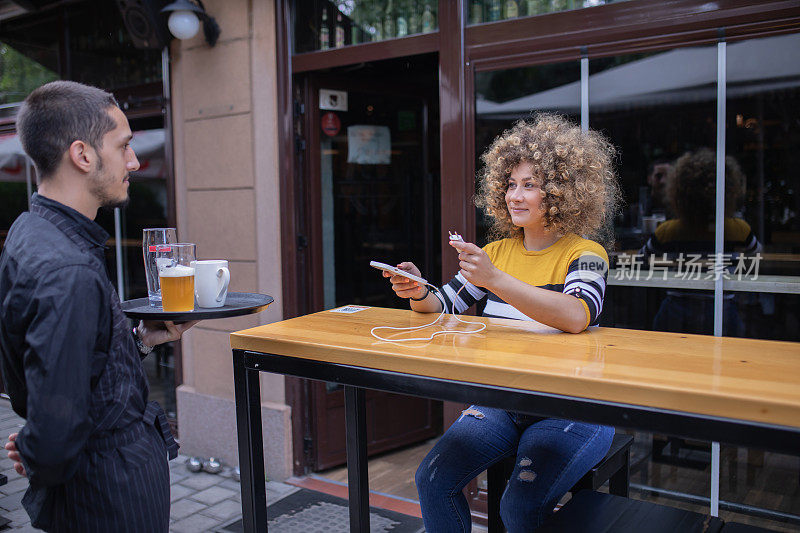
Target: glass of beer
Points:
(176, 275)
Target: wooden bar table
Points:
(738, 391)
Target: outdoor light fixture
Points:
(184, 20)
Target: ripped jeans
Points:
(551, 456)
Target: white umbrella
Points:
(15, 165)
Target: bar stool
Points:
(614, 468)
(734, 527)
(594, 512)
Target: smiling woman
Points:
(574, 170)
(546, 186)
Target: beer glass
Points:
(176, 276)
(151, 238)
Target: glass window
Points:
(504, 96)
(20, 74)
(101, 52)
(659, 110)
(762, 204)
(495, 10)
(762, 218)
(326, 24)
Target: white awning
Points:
(675, 77)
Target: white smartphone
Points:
(395, 270)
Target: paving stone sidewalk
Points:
(200, 501)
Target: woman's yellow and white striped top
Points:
(571, 265)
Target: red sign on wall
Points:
(331, 124)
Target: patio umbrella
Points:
(15, 165)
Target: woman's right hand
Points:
(404, 287)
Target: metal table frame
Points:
(248, 364)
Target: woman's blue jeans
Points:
(551, 456)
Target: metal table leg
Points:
(251, 450)
(357, 477)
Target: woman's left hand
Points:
(475, 264)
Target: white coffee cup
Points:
(211, 279)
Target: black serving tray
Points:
(236, 304)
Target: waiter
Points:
(93, 448)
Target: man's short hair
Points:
(59, 113)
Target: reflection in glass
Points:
(762, 133)
(749, 477)
(326, 24)
(690, 234)
(504, 96)
(20, 74)
(496, 10)
(654, 108)
(91, 46)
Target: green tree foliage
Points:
(19, 75)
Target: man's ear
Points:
(81, 155)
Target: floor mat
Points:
(309, 511)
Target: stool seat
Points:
(614, 468)
(595, 512)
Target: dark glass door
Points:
(375, 184)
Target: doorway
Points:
(372, 193)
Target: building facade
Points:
(318, 135)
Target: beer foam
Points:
(176, 271)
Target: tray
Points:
(236, 304)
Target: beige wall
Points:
(226, 173)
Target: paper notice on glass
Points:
(369, 145)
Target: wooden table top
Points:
(743, 379)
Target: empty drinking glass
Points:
(151, 238)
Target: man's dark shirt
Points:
(94, 449)
(55, 329)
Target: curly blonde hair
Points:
(692, 186)
(579, 187)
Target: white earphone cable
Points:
(436, 293)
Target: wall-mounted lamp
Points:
(184, 20)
